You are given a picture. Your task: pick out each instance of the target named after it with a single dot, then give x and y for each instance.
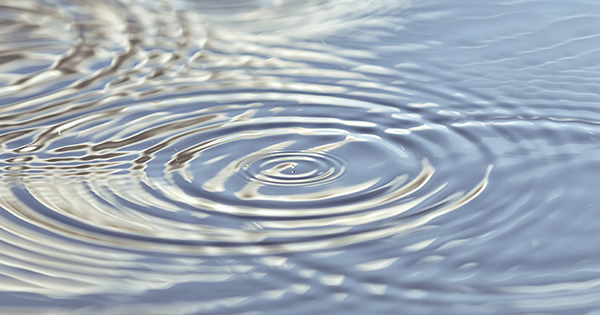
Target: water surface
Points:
(287, 157)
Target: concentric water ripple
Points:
(355, 157)
(312, 177)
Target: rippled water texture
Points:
(291, 157)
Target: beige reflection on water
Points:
(81, 206)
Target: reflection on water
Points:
(268, 157)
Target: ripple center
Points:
(293, 168)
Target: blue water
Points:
(290, 157)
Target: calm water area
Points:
(299, 157)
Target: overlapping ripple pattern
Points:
(269, 157)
